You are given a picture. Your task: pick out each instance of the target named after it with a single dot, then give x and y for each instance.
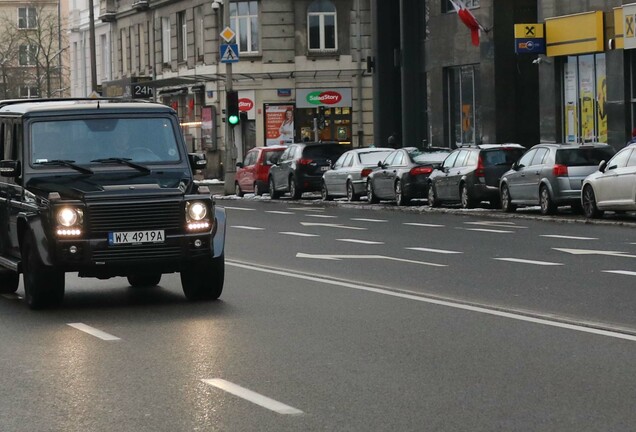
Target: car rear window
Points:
(372, 158)
(583, 156)
(272, 157)
(504, 156)
(429, 157)
(333, 151)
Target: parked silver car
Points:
(348, 175)
(613, 186)
(551, 175)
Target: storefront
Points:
(331, 107)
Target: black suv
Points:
(301, 166)
(470, 175)
(74, 199)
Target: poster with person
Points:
(279, 124)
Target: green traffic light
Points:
(233, 119)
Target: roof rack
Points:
(7, 102)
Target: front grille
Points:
(136, 253)
(103, 218)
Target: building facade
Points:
(574, 85)
(304, 56)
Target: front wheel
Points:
(43, 287)
(273, 193)
(467, 201)
(432, 196)
(548, 206)
(590, 209)
(400, 199)
(204, 281)
(257, 189)
(144, 280)
(294, 190)
(351, 194)
(506, 200)
(237, 190)
(371, 196)
(324, 193)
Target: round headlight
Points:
(197, 211)
(67, 217)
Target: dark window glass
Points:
(583, 156)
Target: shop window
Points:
(322, 27)
(584, 99)
(244, 22)
(462, 101)
(447, 6)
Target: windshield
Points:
(144, 140)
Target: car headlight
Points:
(196, 211)
(69, 216)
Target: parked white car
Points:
(613, 186)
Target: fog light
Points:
(198, 243)
(72, 249)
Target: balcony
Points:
(107, 10)
(141, 5)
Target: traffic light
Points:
(321, 117)
(232, 107)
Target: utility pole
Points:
(230, 148)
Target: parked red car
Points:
(252, 173)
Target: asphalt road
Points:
(345, 318)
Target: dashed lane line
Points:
(423, 225)
(558, 236)
(524, 261)
(298, 234)
(368, 220)
(367, 242)
(251, 396)
(488, 230)
(371, 257)
(321, 216)
(439, 251)
(251, 228)
(239, 208)
(93, 331)
(621, 272)
(279, 212)
(307, 209)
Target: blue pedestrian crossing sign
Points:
(229, 53)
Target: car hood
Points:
(112, 184)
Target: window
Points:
(165, 40)
(182, 37)
(321, 26)
(447, 6)
(29, 92)
(27, 18)
(462, 100)
(620, 160)
(244, 22)
(105, 55)
(124, 51)
(28, 55)
(199, 49)
(526, 159)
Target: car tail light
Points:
(560, 170)
(365, 172)
(304, 161)
(420, 171)
(480, 172)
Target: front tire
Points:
(324, 193)
(257, 190)
(237, 190)
(371, 196)
(204, 281)
(294, 191)
(432, 196)
(548, 207)
(590, 209)
(144, 280)
(506, 200)
(273, 193)
(351, 194)
(400, 199)
(43, 286)
(467, 201)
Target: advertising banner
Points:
(313, 98)
(247, 103)
(629, 29)
(279, 124)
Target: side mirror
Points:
(9, 168)
(602, 166)
(197, 161)
(239, 165)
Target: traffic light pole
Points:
(230, 148)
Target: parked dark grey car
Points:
(301, 166)
(470, 175)
(551, 175)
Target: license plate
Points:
(136, 237)
(324, 168)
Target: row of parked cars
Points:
(590, 178)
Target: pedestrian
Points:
(393, 140)
(633, 138)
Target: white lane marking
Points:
(524, 261)
(341, 257)
(11, 296)
(279, 212)
(440, 251)
(423, 225)
(321, 216)
(332, 226)
(307, 209)
(239, 208)
(298, 234)
(488, 230)
(595, 252)
(247, 227)
(496, 224)
(369, 242)
(447, 303)
(568, 237)
(368, 220)
(93, 331)
(255, 398)
(622, 272)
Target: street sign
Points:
(229, 53)
(228, 34)
(529, 38)
(141, 91)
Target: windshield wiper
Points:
(123, 161)
(67, 163)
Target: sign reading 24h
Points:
(229, 53)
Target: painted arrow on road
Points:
(342, 257)
(595, 252)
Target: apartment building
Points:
(304, 56)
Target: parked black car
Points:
(551, 175)
(301, 166)
(403, 175)
(72, 202)
(470, 175)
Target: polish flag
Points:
(469, 20)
